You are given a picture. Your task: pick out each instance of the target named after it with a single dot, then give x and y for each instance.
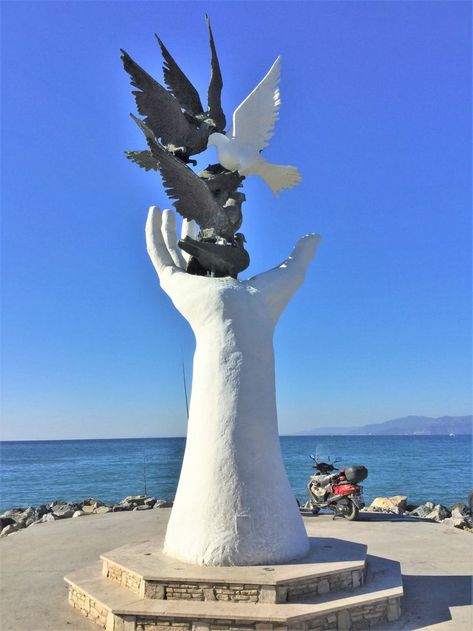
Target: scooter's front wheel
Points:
(352, 512)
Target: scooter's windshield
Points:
(324, 455)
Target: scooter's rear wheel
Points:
(315, 510)
(352, 512)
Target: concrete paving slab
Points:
(436, 563)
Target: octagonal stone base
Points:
(137, 588)
(332, 565)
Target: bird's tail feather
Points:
(276, 176)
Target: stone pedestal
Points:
(337, 586)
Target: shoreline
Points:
(457, 515)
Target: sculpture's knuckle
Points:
(165, 274)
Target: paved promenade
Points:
(436, 561)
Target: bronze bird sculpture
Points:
(187, 95)
(215, 206)
(176, 116)
(193, 198)
(218, 259)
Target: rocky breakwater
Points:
(458, 515)
(18, 518)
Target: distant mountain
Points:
(406, 426)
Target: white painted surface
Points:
(253, 126)
(234, 505)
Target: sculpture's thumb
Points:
(304, 250)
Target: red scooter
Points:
(338, 492)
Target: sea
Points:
(435, 468)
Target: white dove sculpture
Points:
(253, 125)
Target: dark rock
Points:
(27, 514)
(88, 508)
(459, 510)
(41, 510)
(127, 505)
(9, 529)
(457, 522)
(102, 509)
(56, 503)
(18, 525)
(6, 521)
(150, 501)
(142, 507)
(91, 501)
(423, 510)
(136, 500)
(48, 517)
(64, 511)
(13, 513)
(439, 513)
(163, 504)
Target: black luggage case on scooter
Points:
(356, 473)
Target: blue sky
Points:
(376, 114)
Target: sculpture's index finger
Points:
(155, 244)
(153, 224)
(168, 230)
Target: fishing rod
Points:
(185, 387)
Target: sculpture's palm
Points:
(194, 296)
(234, 504)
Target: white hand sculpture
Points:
(234, 505)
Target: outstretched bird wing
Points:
(215, 110)
(255, 118)
(144, 159)
(161, 110)
(193, 199)
(179, 84)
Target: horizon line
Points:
(298, 435)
